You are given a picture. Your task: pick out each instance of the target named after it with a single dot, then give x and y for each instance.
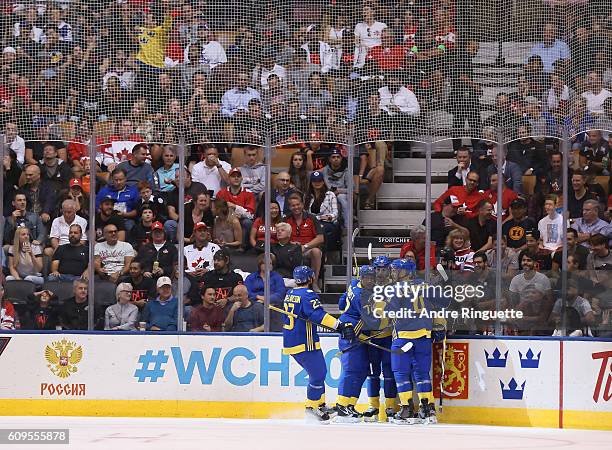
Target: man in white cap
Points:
(161, 313)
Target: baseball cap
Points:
(518, 203)
(235, 171)
(9, 50)
(533, 233)
(107, 199)
(316, 176)
(164, 281)
(200, 226)
(336, 151)
(76, 182)
(157, 226)
(220, 254)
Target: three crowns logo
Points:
(513, 392)
(497, 360)
(530, 361)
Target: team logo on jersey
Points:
(456, 370)
(63, 357)
(516, 233)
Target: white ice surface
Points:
(229, 434)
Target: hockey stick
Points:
(356, 269)
(287, 313)
(361, 341)
(442, 372)
(370, 252)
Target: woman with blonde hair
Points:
(123, 315)
(25, 258)
(227, 232)
(459, 241)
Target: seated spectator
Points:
(123, 315)
(209, 316)
(468, 196)
(515, 228)
(457, 176)
(137, 168)
(323, 205)
(337, 179)
(161, 313)
(577, 303)
(543, 260)
(60, 228)
(7, 312)
(308, 232)
(288, 254)
(596, 94)
(529, 153)
(235, 102)
(41, 195)
(15, 142)
(298, 172)
(445, 221)
(253, 172)
(551, 225)
(485, 278)
(599, 258)
(315, 99)
(282, 191)
(71, 261)
(539, 124)
(121, 144)
(585, 286)
(25, 258)
(595, 154)
(43, 312)
(241, 201)
(140, 234)
(482, 227)
(166, 174)
(459, 241)
(258, 230)
(108, 215)
(399, 103)
(389, 55)
(580, 252)
(125, 196)
(157, 202)
(53, 169)
(158, 256)
(578, 194)
(199, 210)
(21, 217)
(529, 275)
(192, 190)
(112, 257)
(143, 288)
(509, 259)
(255, 282)
(416, 244)
(590, 224)
(535, 306)
(222, 278)
(551, 50)
(212, 172)
(199, 255)
(74, 313)
(76, 193)
(604, 122)
(245, 315)
(513, 176)
(227, 232)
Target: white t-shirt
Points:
(550, 231)
(200, 258)
(264, 74)
(519, 283)
(595, 101)
(18, 146)
(208, 176)
(60, 229)
(113, 257)
(367, 37)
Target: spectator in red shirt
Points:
(468, 195)
(258, 230)
(308, 232)
(210, 315)
(416, 245)
(388, 56)
(507, 196)
(241, 201)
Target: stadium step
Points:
(391, 220)
(415, 167)
(407, 193)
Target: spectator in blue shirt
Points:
(237, 100)
(255, 282)
(126, 197)
(161, 313)
(166, 174)
(550, 50)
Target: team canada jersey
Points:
(118, 150)
(298, 335)
(446, 38)
(7, 316)
(464, 259)
(200, 258)
(410, 36)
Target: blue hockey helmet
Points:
(403, 264)
(302, 274)
(365, 271)
(381, 261)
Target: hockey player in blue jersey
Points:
(301, 340)
(355, 362)
(412, 343)
(380, 361)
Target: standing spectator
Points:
(54, 170)
(152, 41)
(468, 196)
(253, 172)
(125, 196)
(108, 215)
(112, 257)
(74, 312)
(245, 315)
(227, 232)
(15, 142)
(578, 252)
(137, 168)
(513, 176)
(7, 312)
(288, 255)
(258, 230)
(255, 282)
(282, 191)
(337, 179)
(40, 194)
(596, 94)
(157, 257)
(579, 194)
(551, 225)
(212, 172)
(298, 172)
(482, 227)
(210, 315)
(457, 176)
(590, 223)
(71, 261)
(21, 217)
(368, 34)
(241, 201)
(308, 232)
(166, 174)
(161, 313)
(123, 315)
(25, 258)
(508, 196)
(600, 258)
(551, 50)
(60, 228)
(416, 244)
(515, 228)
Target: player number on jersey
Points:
(289, 307)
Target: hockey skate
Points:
(371, 415)
(346, 414)
(390, 412)
(317, 415)
(405, 416)
(427, 413)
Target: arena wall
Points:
(550, 382)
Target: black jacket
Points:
(74, 315)
(288, 257)
(166, 256)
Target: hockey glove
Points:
(346, 331)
